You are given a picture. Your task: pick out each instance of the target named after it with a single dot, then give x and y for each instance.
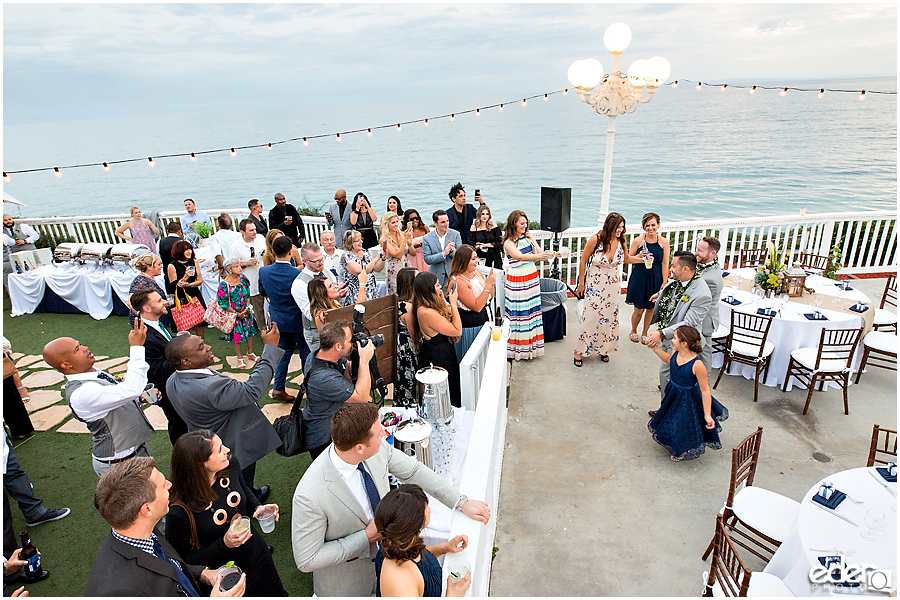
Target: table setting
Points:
(844, 540)
(797, 322)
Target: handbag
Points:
(187, 315)
(219, 318)
(9, 367)
(290, 429)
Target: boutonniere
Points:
(685, 298)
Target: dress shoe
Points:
(651, 412)
(271, 549)
(262, 493)
(283, 396)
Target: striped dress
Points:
(523, 306)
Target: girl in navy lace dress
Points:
(688, 419)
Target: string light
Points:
(398, 126)
(753, 90)
(426, 122)
(269, 145)
(862, 95)
(6, 177)
(152, 164)
(546, 97)
(821, 93)
(699, 84)
(724, 86)
(478, 112)
(193, 157)
(233, 153)
(338, 137)
(452, 117)
(675, 85)
(305, 142)
(501, 107)
(56, 172)
(106, 167)
(524, 101)
(783, 92)
(369, 132)
(566, 92)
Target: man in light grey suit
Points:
(684, 301)
(332, 531)
(206, 399)
(708, 266)
(338, 215)
(438, 246)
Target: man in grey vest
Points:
(111, 410)
(707, 254)
(18, 236)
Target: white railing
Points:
(471, 367)
(867, 240)
(481, 472)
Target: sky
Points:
(64, 62)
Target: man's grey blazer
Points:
(434, 254)
(229, 407)
(340, 225)
(715, 283)
(328, 523)
(693, 312)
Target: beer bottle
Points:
(30, 555)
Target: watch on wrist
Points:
(462, 500)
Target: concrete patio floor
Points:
(590, 505)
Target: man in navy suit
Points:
(438, 246)
(461, 214)
(275, 284)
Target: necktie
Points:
(182, 578)
(106, 377)
(165, 332)
(319, 276)
(371, 490)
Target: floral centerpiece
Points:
(770, 276)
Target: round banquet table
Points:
(790, 329)
(816, 533)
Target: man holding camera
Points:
(328, 382)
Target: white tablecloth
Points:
(89, 287)
(789, 331)
(815, 533)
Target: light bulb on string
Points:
(862, 95)
(546, 97)
(501, 107)
(699, 83)
(821, 93)
(233, 152)
(524, 101)
(675, 85)
(753, 90)
(369, 132)
(783, 92)
(398, 126)
(6, 177)
(478, 112)
(305, 142)
(338, 137)
(724, 86)
(56, 172)
(193, 157)
(452, 117)
(269, 145)
(150, 160)
(426, 122)
(566, 92)
(106, 167)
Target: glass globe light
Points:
(586, 73)
(657, 71)
(617, 37)
(637, 73)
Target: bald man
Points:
(111, 410)
(338, 214)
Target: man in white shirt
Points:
(193, 216)
(224, 238)
(332, 256)
(111, 410)
(249, 250)
(314, 266)
(18, 236)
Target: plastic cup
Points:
(241, 525)
(230, 577)
(648, 262)
(266, 522)
(458, 570)
(495, 333)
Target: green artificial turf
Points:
(59, 465)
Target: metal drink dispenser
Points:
(414, 438)
(433, 394)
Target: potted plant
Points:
(770, 276)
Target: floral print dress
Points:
(407, 362)
(600, 322)
(237, 297)
(352, 280)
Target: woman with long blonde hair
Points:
(396, 246)
(269, 256)
(436, 325)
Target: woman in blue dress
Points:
(234, 297)
(644, 281)
(404, 566)
(688, 419)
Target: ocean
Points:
(686, 154)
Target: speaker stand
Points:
(554, 266)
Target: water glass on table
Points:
(817, 300)
(875, 522)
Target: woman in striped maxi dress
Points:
(523, 290)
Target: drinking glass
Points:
(230, 577)
(874, 521)
(241, 525)
(817, 300)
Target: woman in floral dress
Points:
(598, 284)
(523, 290)
(407, 361)
(396, 247)
(353, 262)
(234, 296)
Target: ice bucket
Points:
(433, 394)
(414, 438)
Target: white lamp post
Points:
(615, 93)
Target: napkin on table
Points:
(884, 474)
(813, 317)
(836, 498)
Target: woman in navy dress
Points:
(644, 282)
(404, 566)
(688, 419)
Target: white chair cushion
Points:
(750, 350)
(765, 511)
(884, 317)
(879, 340)
(721, 331)
(807, 358)
(762, 585)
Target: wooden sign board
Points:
(380, 317)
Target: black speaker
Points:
(556, 209)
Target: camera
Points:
(359, 335)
